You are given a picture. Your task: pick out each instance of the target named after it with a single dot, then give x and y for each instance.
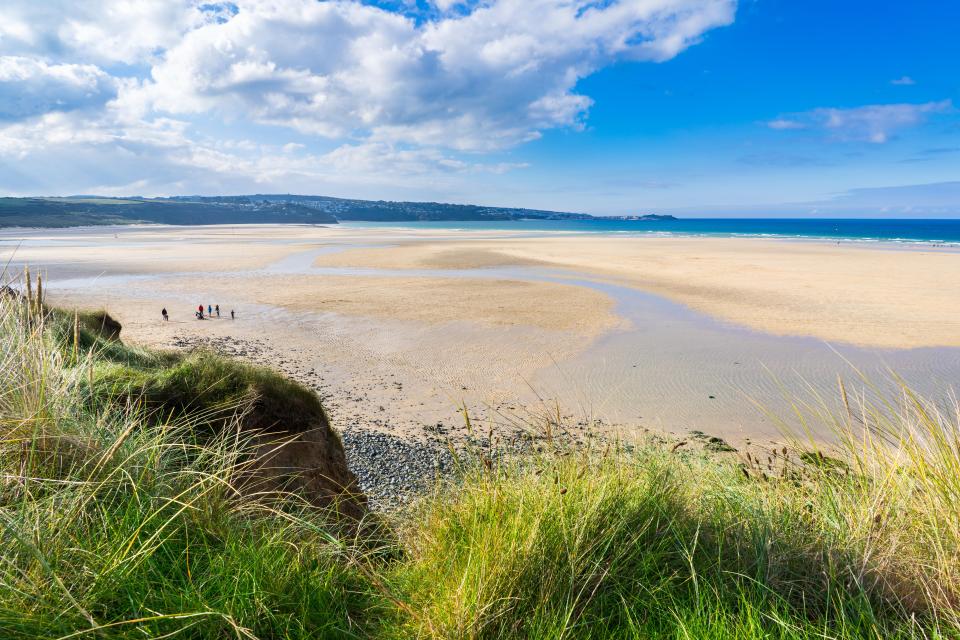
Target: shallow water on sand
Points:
(676, 369)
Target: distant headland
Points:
(86, 210)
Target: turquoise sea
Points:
(865, 230)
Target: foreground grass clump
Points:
(283, 425)
(166, 384)
(115, 524)
(120, 518)
(657, 546)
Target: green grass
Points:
(649, 547)
(118, 521)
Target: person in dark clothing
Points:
(163, 312)
(232, 317)
(209, 310)
(217, 309)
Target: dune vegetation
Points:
(122, 515)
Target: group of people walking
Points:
(199, 313)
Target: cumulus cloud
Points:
(101, 31)
(30, 87)
(79, 151)
(871, 123)
(445, 5)
(490, 78)
(65, 132)
(413, 90)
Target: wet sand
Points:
(855, 293)
(399, 329)
(487, 302)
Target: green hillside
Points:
(72, 212)
(253, 209)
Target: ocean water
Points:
(847, 229)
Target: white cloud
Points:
(446, 5)
(904, 81)
(30, 87)
(124, 87)
(76, 151)
(871, 123)
(65, 132)
(784, 124)
(491, 78)
(100, 31)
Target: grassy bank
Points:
(120, 517)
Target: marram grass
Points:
(119, 522)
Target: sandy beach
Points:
(854, 293)
(399, 329)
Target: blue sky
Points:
(697, 107)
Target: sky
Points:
(611, 107)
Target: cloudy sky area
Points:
(716, 107)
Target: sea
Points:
(840, 229)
